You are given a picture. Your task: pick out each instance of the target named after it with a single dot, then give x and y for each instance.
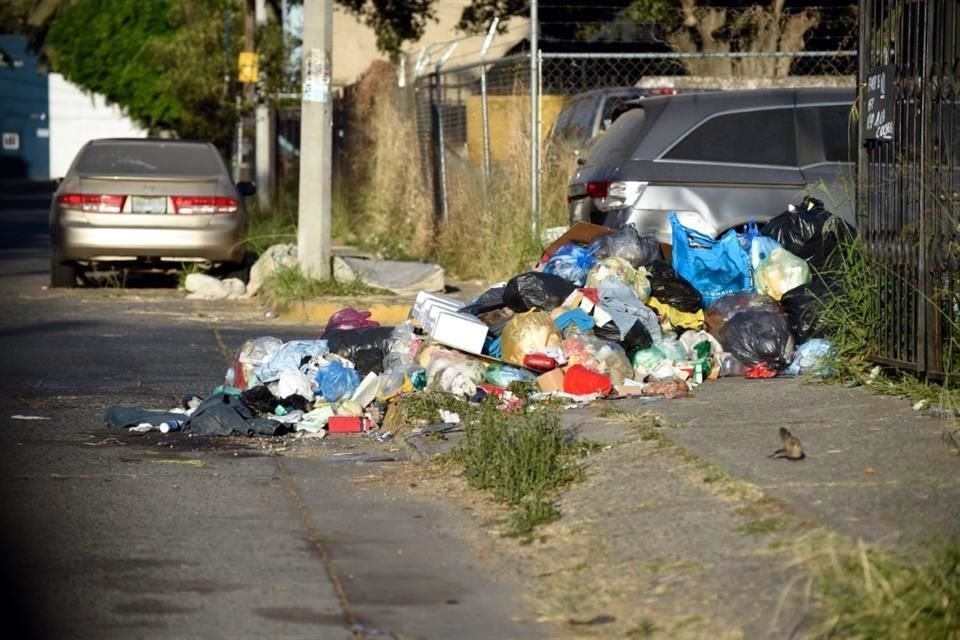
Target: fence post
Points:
(440, 162)
(484, 114)
(534, 121)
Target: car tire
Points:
(63, 275)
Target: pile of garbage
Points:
(603, 314)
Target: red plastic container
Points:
(581, 381)
(347, 424)
(539, 362)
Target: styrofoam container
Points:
(460, 331)
(428, 305)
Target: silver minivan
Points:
(719, 159)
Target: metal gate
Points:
(909, 177)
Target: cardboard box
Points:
(347, 424)
(551, 381)
(581, 233)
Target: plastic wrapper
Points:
(726, 307)
(251, 355)
(350, 318)
(623, 271)
(402, 346)
(531, 332)
(599, 355)
(451, 371)
(781, 272)
(534, 290)
(365, 347)
(290, 357)
(812, 358)
(336, 381)
(571, 262)
(503, 375)
(669, 287)
(627, 243)
(759, 336)
(729, 366)
(646, 360)
(402, 379)
(621, 303)
(637, 337)
(716, 267)
(810, 232)
(699, 344)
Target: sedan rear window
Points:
(763, 137)
(149, 159)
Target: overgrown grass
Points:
(290, 284)
(867, 593)
(522, 459)
(266, 228)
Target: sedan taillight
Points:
(203, 204)
(92, 202)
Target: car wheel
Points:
(62, 274)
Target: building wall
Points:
(76, 117)
(23, 112)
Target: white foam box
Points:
(460, 331)
(428, 305)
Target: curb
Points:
(386, 311)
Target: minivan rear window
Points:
(620, 139)
(149, 159)
(763, 137)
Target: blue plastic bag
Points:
(571, 262)
(758, 246)
(714, 267)
(337, 382)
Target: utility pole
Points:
(316, 138)
(266, 134)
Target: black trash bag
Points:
(627, 243)
(803, 305)
(226, 415)
(637, 338)
(365, 346)
(757, 335)
(533, 289)
(489, 300)
(810, 232)
(669, 287)
(260, 400)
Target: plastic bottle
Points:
(170, 425)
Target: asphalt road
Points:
(109, 535)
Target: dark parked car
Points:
(719, 159)
(146, 202)
(588, 114)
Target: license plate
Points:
(145, 204)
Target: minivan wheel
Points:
(62, 274)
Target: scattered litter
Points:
(20, 417)
(449, 417)
(105, 441)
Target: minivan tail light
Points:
(92, 202)
(598, 189)
(203, 204)
(620, 195)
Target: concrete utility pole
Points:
(266, 134)
(316, 137)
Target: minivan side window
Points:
(764, 136)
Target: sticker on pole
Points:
(316, 76)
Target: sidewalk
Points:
(875, 468)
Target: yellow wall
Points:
(509, 118)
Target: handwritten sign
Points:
(878, 115)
